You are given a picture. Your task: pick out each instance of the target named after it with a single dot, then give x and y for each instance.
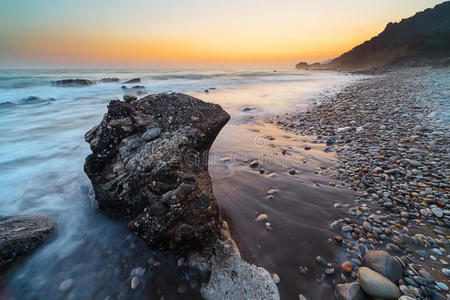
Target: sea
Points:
(42, 152)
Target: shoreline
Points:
(392, 154)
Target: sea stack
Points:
(149, 166)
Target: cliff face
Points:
(424, 35)
(419, 40)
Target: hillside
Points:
(423, 39)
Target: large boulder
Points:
(376, 285)
(20, 236)
(383, 263)
(149, 165)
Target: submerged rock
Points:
(20, 236)
(134, 80)
(34, 100)
(72, 82)
(150, 166)
(109, 79)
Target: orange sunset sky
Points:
(195, 33)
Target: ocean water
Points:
(42, 152)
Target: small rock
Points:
(254, 164)
(262, 217)
(349, 291)
(347, 267)
(65, 285)
(129, 98)
(135, 282)
(276, 278)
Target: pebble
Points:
(254, 164)
(347, 267)
(276, 278)
(135, 280)
(65, 285)
(262, 217)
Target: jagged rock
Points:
(301, 65)
(383, 263)
(20, 236)
(150, 166)
(232, 277)
(134, 80)
(129, 98)
(109, 79)
(72, 82)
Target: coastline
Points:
(390, 134)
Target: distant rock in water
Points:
(109, 79)
(134, 80)
(72, 82)
(150, 166)
(34, 100)
(7, 104)
(301, 65)
(20, 236)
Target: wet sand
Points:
(299, 207)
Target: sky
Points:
(193, 33)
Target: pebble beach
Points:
(390, 135)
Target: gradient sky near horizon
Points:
(194, 33)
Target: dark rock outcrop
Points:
(301, 65)
(72, 82)
(134, 80)
(110, 79)
(20, 236)
(150, 166)
(423, 39)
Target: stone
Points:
(231, 277)
(330, 141)
(437, 212)
(110, 79)
(135, 281)
(20, 236)
(253, 164)
(292, 171)
(129, 98)
(72, 82)
(160, 184)
(343, 129)
(376, 285)
(262, 217)
(359, 130)
(349, 291)
(383, 263)
(347, 267)
(134, 80)
(65, 285)
(276, 278)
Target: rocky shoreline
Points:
(390, 133)
(149, 166)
